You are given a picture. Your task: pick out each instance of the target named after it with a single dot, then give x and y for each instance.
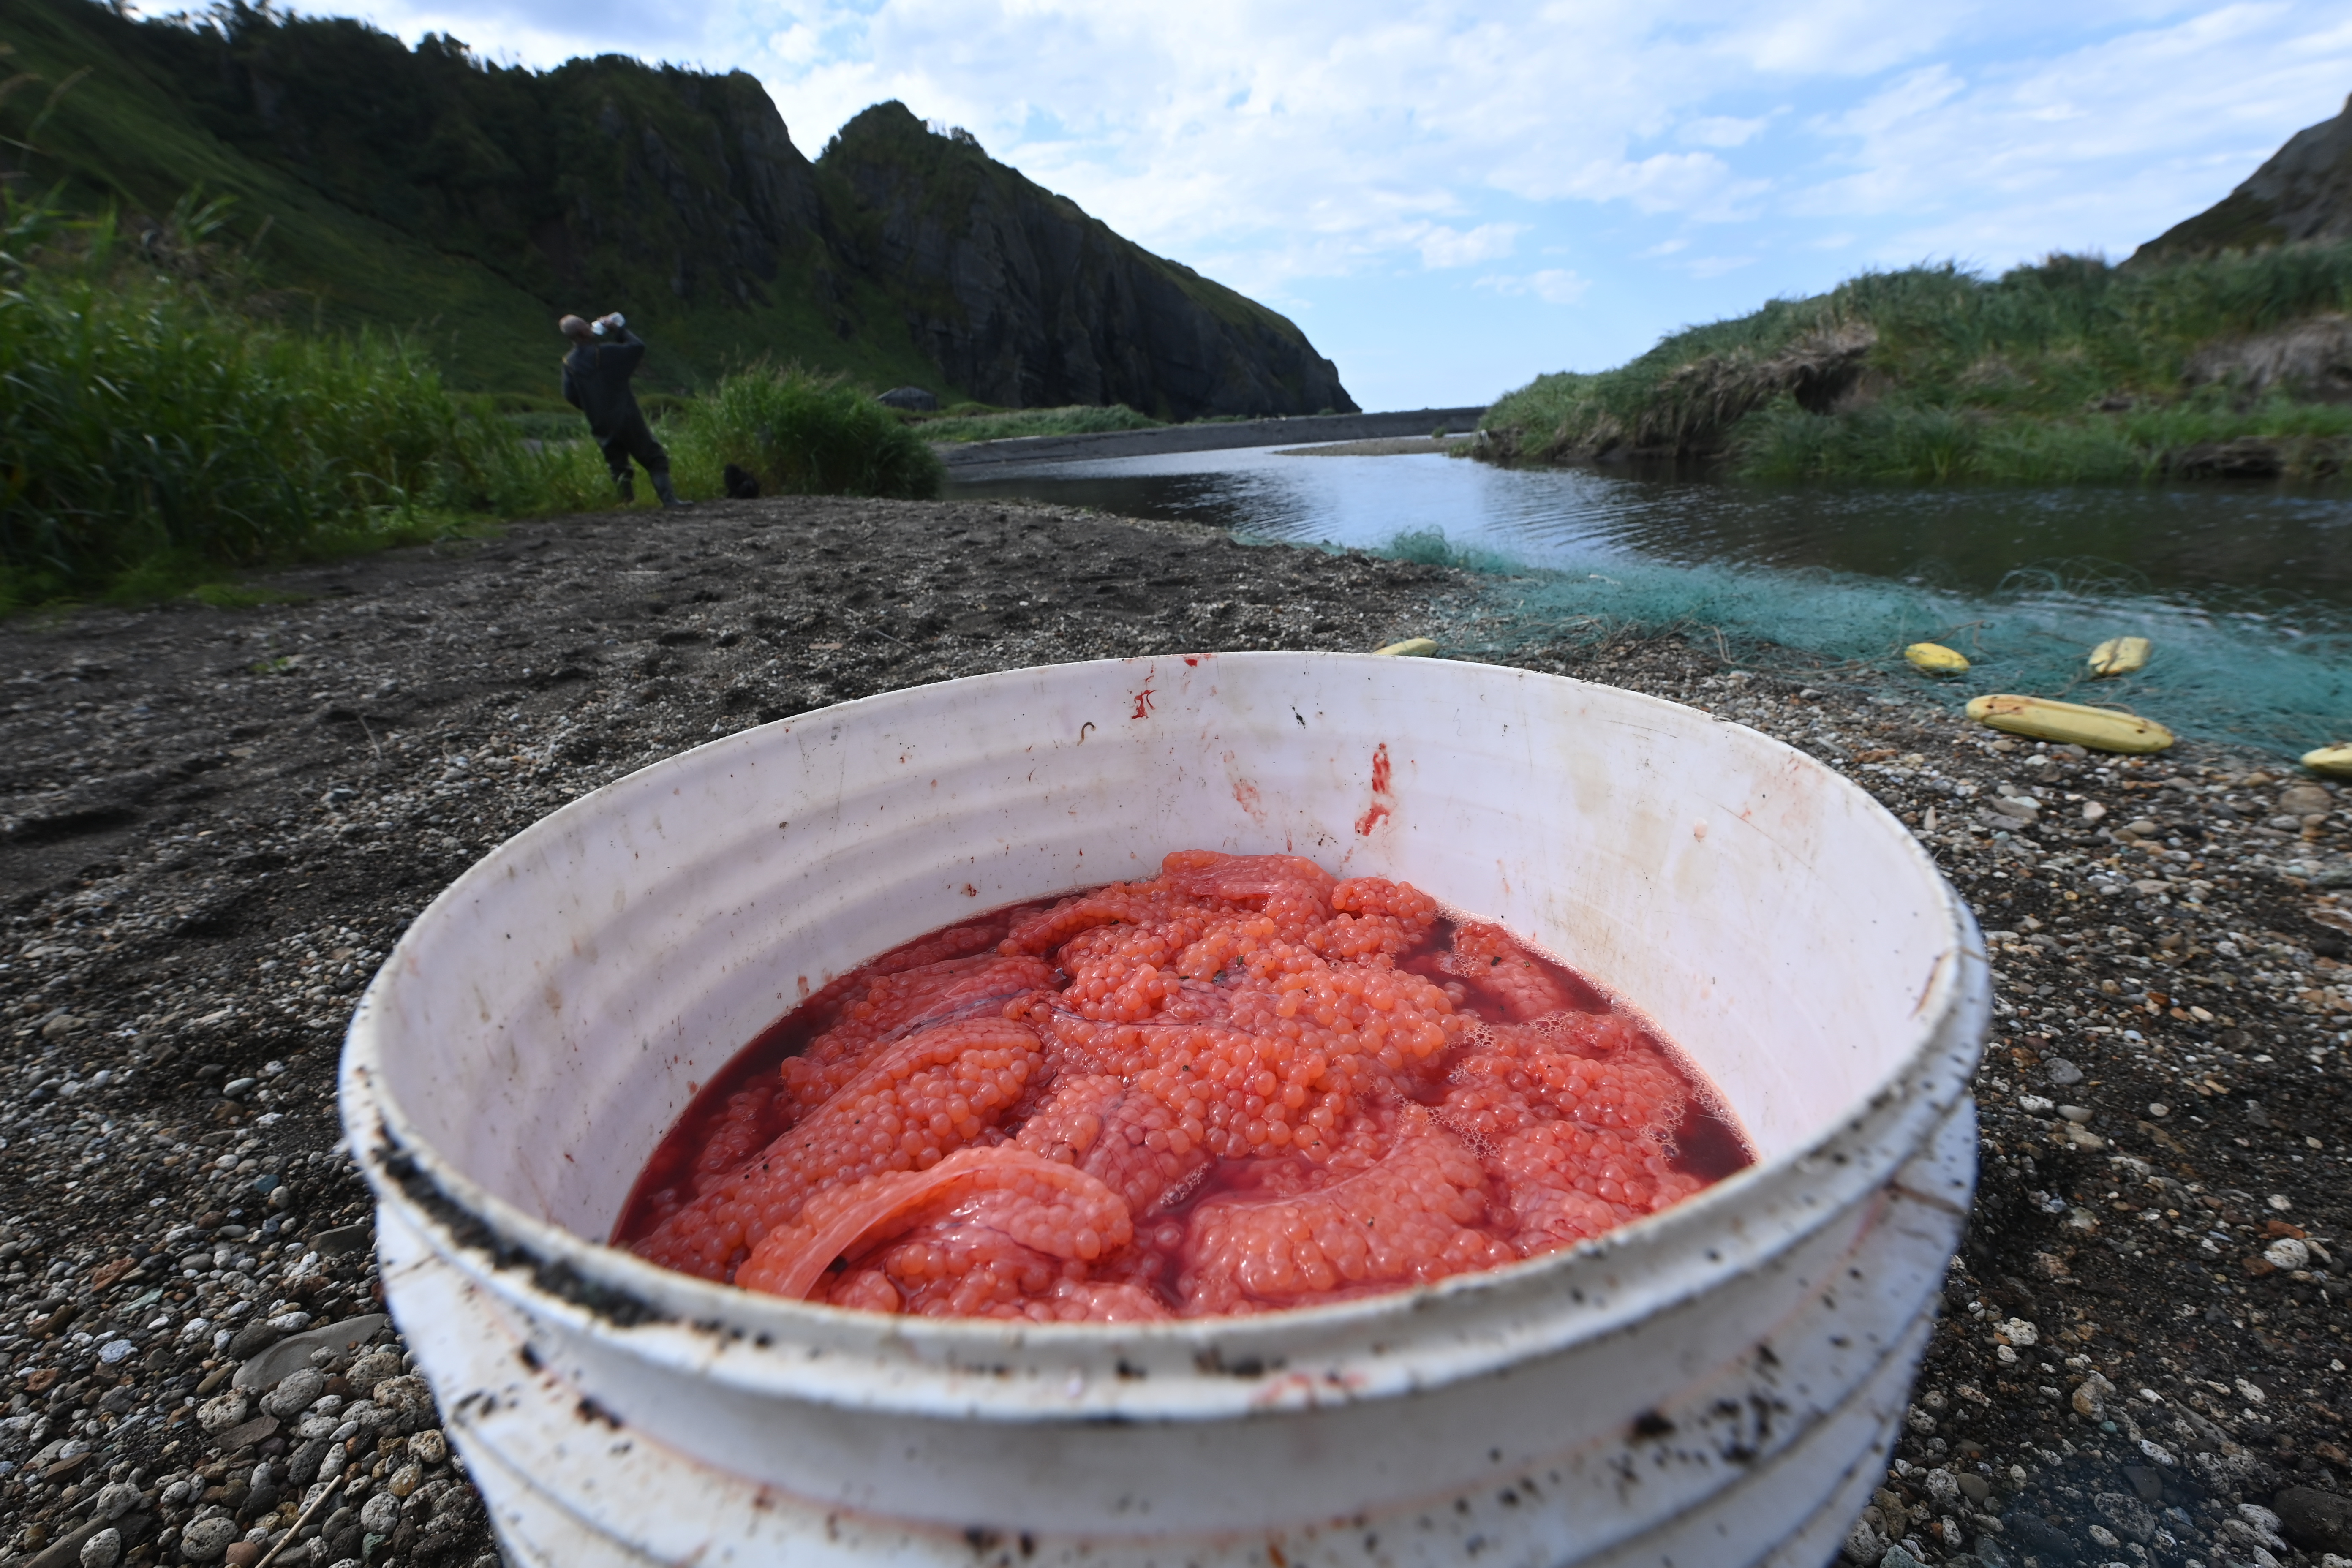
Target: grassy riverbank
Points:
(2068, 370)
(165, 429)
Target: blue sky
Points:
(1450, 198)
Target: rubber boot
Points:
(664, 489)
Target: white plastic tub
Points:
(1717, 1384)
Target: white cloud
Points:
(1720, 131)
(1553, 286)
(1443, 246)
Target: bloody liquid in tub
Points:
(1239, 1087)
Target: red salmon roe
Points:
(924, 1096)
(1238, 1087)
(1413, 1217)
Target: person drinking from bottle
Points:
(597, 372)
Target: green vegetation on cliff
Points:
(2068, 370)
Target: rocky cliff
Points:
(1022, 299)
(432, 191)
(2303, 193)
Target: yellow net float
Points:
(1412, 647)
(2070, 723)
(2333, 761)
(2119, 656)
(1935, 658)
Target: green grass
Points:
(998, 424)
(161, 439)
(2068, 370)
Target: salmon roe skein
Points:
(925, 1097)
(986, 1233)
(1036, 1205)
(892, 1006)
(1120, 1135)
(1498, 967)
(1413, 1217)
(934, 947)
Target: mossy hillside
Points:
(2069, 369)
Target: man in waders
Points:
(596, 381)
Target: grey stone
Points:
(407, 1400)
(342, 1240)
(371, 1369)
(2315, 1520)
(2061, 1072)
(115, 1499)
(269, 1368)
(2130, 1516)
(103, 1550)
(207, 1539)
(251, 1340)
(379, 1513)
(303, 1468)
(223, 1411)
(295, 1392)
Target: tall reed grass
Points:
(2069, 368)
(153, 429)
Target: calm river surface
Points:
(2248, 591)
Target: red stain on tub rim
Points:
(1377, 813)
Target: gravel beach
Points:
(214, 824)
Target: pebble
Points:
(2314, 1520)
(267, 1369)
(208, 1540)
(379, 1513)
(2288, 1253)
(294, 1392)
(103, 1550)
(223, 1411)
(2061, 1072)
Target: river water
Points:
(2247, 592)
